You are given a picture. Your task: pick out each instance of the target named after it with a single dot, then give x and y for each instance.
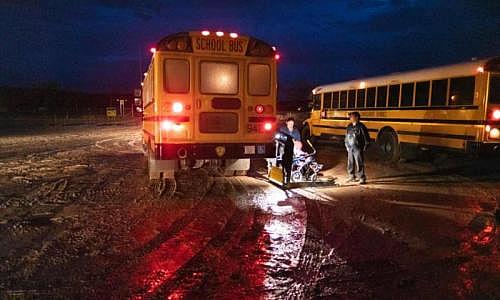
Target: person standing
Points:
(356, 142)
(292, 136)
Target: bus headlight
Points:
(494, 133)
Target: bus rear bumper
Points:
(483, 147)
(214, 151)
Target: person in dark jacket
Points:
(292, 136)
(356, 142)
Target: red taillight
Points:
(177, 107)
(259, 109)
(153, 50)
(219, 33)
(205, 33)
(168, 125)
(496, 114)
(277, 56)
(268, 126)
(233, 35)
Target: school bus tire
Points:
(389, 146)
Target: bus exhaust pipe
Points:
(182, 153)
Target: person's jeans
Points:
(356, 163)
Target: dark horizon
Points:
(102, 46)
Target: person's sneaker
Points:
(351, 179)
(362, 181)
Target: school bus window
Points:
(335, 100)
(382, 96)
(317, 102)
(259, 79)
(370, 97)
(462, 90)
(407, 94)
(327, 100)
(351, 98)
(422, 93)
(218, 78)
(176, 76)
(360, 98)
(494, 92)
(343, 99)
(438, 93)
(394, 95)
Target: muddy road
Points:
(78, 221)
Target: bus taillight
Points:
(168, 125)
(496, 114)
(495, 133)
(268, 126)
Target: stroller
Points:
(305, 167)
(300, 166)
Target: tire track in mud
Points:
(156, 264)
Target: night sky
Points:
(98, 46)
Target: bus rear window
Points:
(259, 79)
(219, 78)
(176, 76)
(494, 92)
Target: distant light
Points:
(177, 107)
(205, 33)
(495, 133)
(268, 126)
(233, 35)
(480, 69)
(496, 114)
(274, 48)
(219, 33)
(362, 85)
(153, 50)
(277, 56)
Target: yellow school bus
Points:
(455, 106)
(209, 97)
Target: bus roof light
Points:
(219, 33)
(480, 69)
(205, 33)
(259, 109)
(153, 50)
(233, 35)
(277, 56)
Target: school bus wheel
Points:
(388, 143)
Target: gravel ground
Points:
(78, 220)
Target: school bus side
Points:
(406, 108)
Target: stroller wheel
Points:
(314, 177)
(296, 176)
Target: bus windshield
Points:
(494, 92)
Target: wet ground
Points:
(78, 220)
